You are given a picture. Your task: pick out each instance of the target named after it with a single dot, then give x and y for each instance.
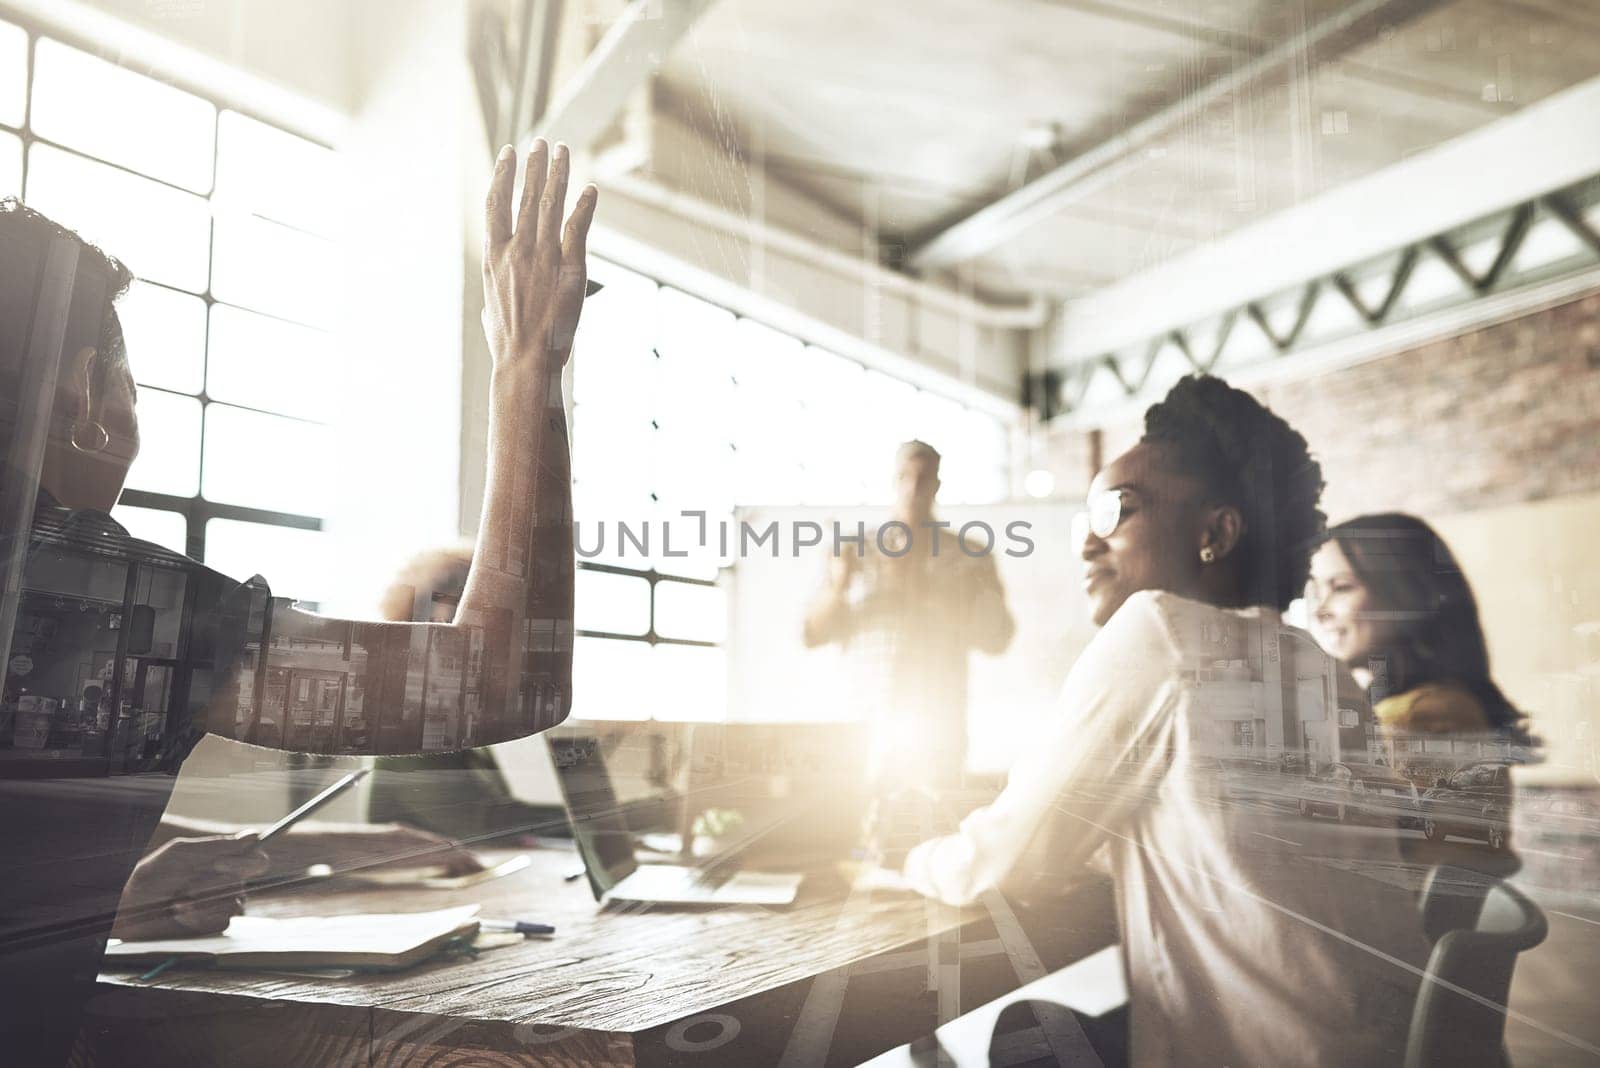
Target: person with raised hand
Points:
(69, 433)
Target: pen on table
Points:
(522, 927)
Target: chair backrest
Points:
(1478, 925)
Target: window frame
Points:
(655, 577)
(197, 511)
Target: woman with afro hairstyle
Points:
(1240, 946)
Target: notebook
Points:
(383, 941)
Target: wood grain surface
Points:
(575, 997)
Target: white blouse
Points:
(1250, 939)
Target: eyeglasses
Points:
(1100, 517)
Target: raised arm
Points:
(503, 668)
(522, 569)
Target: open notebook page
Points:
(375, 940)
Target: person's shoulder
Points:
(89, 530)
(1445, 706)
(1148, 618)
(1189, 628)
(1174, 614)
(99, 533)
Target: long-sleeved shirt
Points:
(909, 626)
(1247, 941)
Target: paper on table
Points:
(874, 877)
(758, 888)
(375, 940)
(433, 878)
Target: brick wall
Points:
(1501, 415)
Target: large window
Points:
(682, 406)
(225, 222)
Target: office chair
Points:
(1478, 924)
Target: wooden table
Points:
(839, 976)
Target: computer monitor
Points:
(598, 825)
(527, 771)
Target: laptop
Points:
(607, 847)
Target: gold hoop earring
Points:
(99, 439)
(1208, 555)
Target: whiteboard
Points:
(773, 677)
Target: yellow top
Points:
(1433, 708)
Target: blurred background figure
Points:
(909, 603)
(427, 587)
(1386, 597)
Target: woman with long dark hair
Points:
(1387, 597)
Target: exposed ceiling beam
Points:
(630, 52)
(1521, 157)
(1105, 163)
(541, 26)
(1249, 44)
(1162, 22)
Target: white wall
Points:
(401, 330)
(288, 61)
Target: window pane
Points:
(765, 359)
(262, 170)
(696, 613)
(611, 679)
(688, 683)
(693, 473)
(99, 108)
(10, 165)
(613, 450)
(166, 335)
(766, 478)
(273, 268)
(827, 382)
(159, 232)
(940, 422)
(169, 444)
(168, 529)
(294, 562)
(893, 407)
(676, 547)
(13, 74)
(616, 604)
(695, 389)
(267, 461)
(615, 339)
(269, 363)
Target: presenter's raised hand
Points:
(533, 266)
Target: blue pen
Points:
(522, 927)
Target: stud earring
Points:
(1208, 555)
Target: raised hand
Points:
(534, 272)
(520, 587)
